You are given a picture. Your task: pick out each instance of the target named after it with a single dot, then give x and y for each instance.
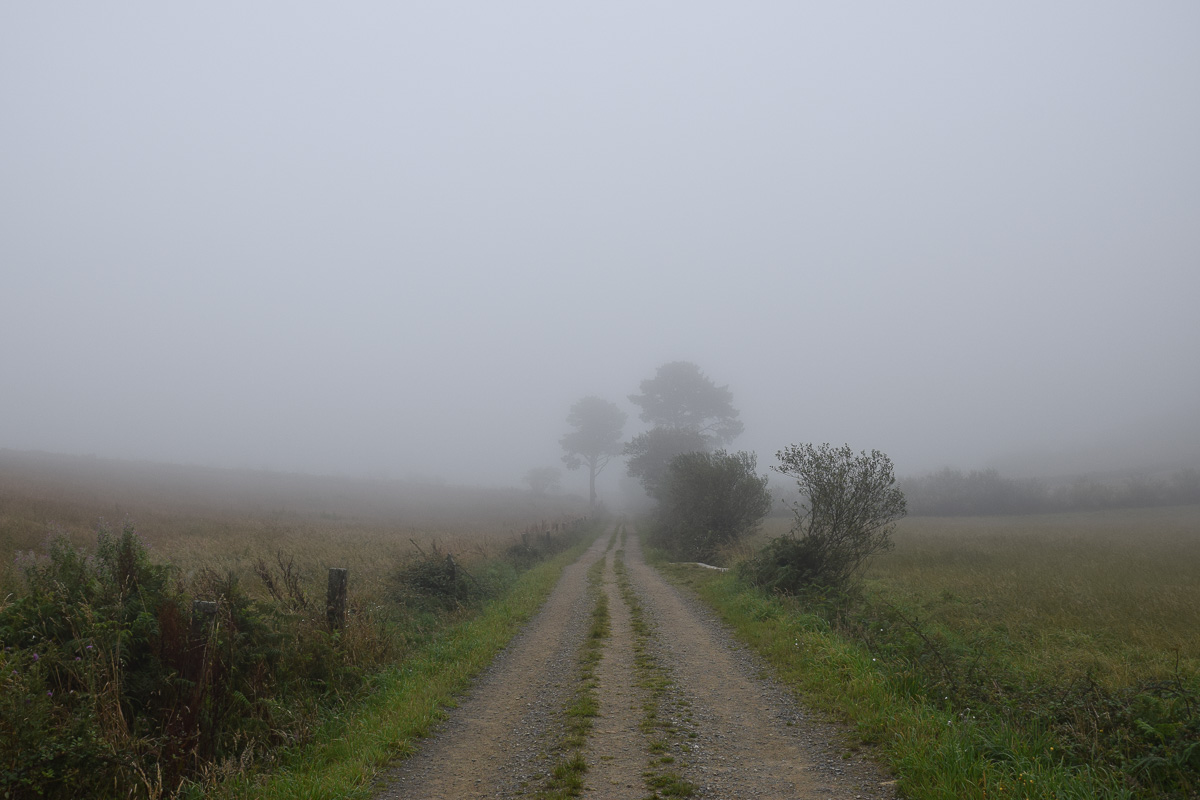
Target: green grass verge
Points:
(349, 754)
(938, 753)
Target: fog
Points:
(402, 238)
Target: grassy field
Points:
(1026, 656)
(1112, 594)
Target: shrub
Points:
(707, 501)
(110, 681)
(102, 644)
(437, 581)
(850, 511)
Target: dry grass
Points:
(225, 520)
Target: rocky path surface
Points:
(681, 707)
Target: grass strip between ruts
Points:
(349, 755)
(666, 715)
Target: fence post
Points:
(335, 598)
(203, 612)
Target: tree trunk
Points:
(592, 486)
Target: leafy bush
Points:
(109, 679)
(649, 455)
(436, 579)
(536, 545)
(102, 646)
(707, 501)
(787, 565)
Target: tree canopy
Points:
(681, 397)
(650, 454)
(596, 438)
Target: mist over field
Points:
(402, 239)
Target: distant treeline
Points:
(951, 492)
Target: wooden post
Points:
(203, 613)
(335, 599)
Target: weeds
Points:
(115, 681)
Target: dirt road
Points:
(681, 707)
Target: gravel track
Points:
(740, 734)
(617, 748)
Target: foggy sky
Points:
(405, 237)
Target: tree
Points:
(850, 510)
(651, 453)
(597, 438)
(709, 500)
(543, 480)
(681, 397)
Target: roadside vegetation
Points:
(202, 662)
(850, 508)
(707, 502)
(1052, 656)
